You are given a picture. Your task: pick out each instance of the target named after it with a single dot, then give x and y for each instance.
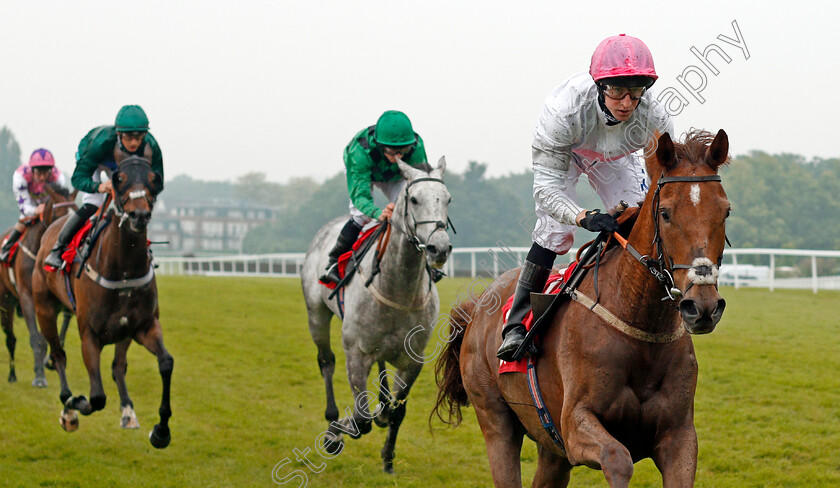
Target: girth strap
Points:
(539, 404)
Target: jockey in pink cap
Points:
(591, 124)
(28, 187)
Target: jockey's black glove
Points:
(595, 221)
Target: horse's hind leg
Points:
(7, 320)
(36, 340)
(319, 329)
(552, 470)
(46, 312)
(403, 381)
(128, 419)
(152, 339)
(503, 434)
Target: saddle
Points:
(81, 244)
(345, 266)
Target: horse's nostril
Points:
(721, 304)
(432, 250)
(688, 308)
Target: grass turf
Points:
(247, 393)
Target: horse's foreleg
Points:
(36, 340)
(128, 419)
(91, 350)
(7, 320)
(46, 312)
(676, 457)
(552, 470)
(152, 339)
(61, 336)
(396, 407)
(381, 420)
(589, 443)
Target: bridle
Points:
(663, 265)
(411, 234)
(121, 199)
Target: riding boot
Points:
(532, 278)
(7, 246)
(74, 222)
(345, 241)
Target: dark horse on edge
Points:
(16, 283)
(115, 299)
(619, 389)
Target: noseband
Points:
(439, 224)
(662, 266)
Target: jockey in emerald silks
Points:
(370, 160)
(28, 183)
(592, 124)
(99, 150)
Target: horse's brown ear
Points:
(665, 152)
(718, 153)
(46, 215)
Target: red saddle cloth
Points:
(70, 253)
(345, 258)
(8, 262)
(552, 286)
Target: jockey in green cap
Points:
(370, 159)
(99, 150)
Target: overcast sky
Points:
(280, 87)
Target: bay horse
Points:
(115, 299)
(380, 321)
(16, 283)
(621, 389)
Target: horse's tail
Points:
(451, 393)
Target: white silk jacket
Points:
(572, 130)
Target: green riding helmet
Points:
(394, 129)
(132, 118)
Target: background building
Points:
(209, 225)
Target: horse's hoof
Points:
(129, 419)
(12, 378)
(381, 421)
(389, 468)
(69, 420)
(159, 437)
(39, 383)
(333, 446)
(49, 364)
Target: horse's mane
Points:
(694, 146)
(64, 192)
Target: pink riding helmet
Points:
(621, 55)
(41, 157)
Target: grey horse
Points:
(388, 321)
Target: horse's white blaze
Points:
(703, 279)
(695, 194)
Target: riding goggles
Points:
(397, 151)
(619, 92)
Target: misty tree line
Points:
(778, 201)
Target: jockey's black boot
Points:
(14, 235)
(532, 278)
(74, 222)
(345, 241)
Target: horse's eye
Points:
(728, 213)
(413, 200)
(664, 214)
(449, 201)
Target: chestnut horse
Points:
(16, 284)
(620, 389)
(115, 299)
